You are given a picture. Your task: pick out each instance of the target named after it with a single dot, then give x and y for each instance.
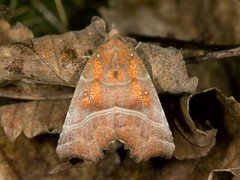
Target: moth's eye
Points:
(131, 54)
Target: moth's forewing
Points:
(115, 99)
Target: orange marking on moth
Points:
(132, 69)
(96, 89)
(146, 99)
(85, 102)
(97, 70)
(133, 74)
(135, 88)
(96, 92)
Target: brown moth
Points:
(115, 99)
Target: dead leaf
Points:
(193, 119)
(168, 69)
(210, 109)
(20, 90)
(191, 139)
(18, 32)
(219, 174)
(33, 118)
(59, 59)
(56, 59)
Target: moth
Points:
(115, 99)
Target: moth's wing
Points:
(141, 122)
(85, 133)
(115, 105)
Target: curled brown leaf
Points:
(209, 109)
(191, 140)
(218, 174)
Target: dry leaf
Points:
(60, 60)
(18, 32)
(33, 118)
(223, 114)
(168, 69)
(20, 90)
(192, 140)
(52, 59)
(219, 174)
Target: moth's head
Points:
(113, 33)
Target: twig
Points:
(166, 42)
(234, 52)
(219, 51)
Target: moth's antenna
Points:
(137, 46)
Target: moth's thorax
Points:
(115, 67)
(115, 62)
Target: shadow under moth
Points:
(115, 99)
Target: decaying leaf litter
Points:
(196, 149)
